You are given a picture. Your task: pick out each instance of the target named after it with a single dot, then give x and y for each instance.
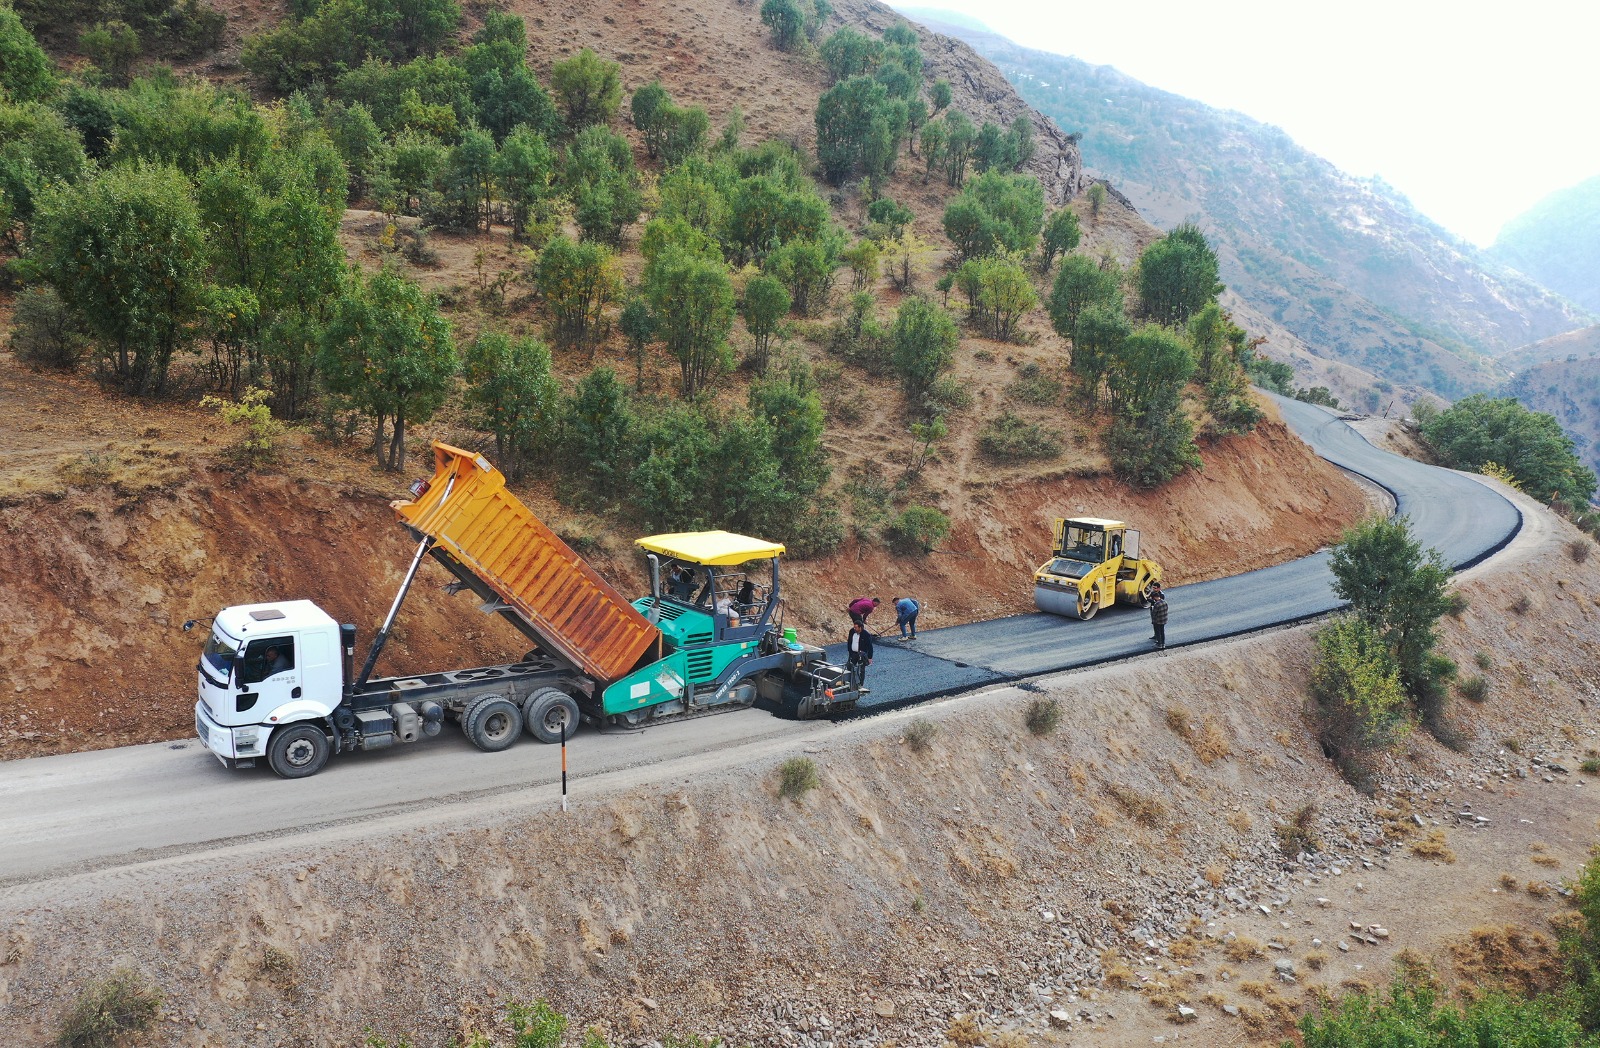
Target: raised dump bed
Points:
(495, 545)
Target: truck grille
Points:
(200, 728)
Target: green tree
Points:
(1061, 235)
(849, 52)
(959, 138)
(925, 340)
(1177, 276)
(1479, 429)
(647, 108)
(844, 120)
(37, 149)
(469, 177)
(1097, 201)
(766, 302)
(940, 94)
(792, 406)
(417, 160)
(934, 135)
(1079, 285)
(806, 266)
(114, 47)
(998, 292)
(996, 211)
(1097, 339)
(127, 254)
(26, 72)
(512, 393)
(1019, 147)
(595, 431)
(1149, 372)
(603, 183)
(577, 280)
(638, 326)
(389, 353)
(1355, 681)
(524, 169)
(1401, 591)
(786, 21)
(692, 300)
(588, 88)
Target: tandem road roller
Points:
(1093, 562)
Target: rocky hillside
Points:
(1557, 242)
(1345, 264)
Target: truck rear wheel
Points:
(548, 711)
(491, 723)
(297, 751)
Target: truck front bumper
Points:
(234, 747)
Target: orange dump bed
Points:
(493, 542)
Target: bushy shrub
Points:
(797, 777)
(44, 333)
(122, 1003)
(1011, 438)
(918, 530)
(1356, 685)
(920, 734)
(1043, 716)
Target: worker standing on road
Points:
(905, 614)
(860, 608)
(1157, 603)
(859, 644)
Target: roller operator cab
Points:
(1093, 562)
(265, 666)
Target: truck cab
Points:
(1093, 562)
(265, 665)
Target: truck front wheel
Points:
(548, 712)
(492, 723)
(297, 751)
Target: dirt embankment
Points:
(122, 526)
(1093, 879)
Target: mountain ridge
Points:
(1365, 280)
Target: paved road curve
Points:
(1461, 518)
(114, 808)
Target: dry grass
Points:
(1211, 745)
(1578, 550)
(106, 1011)
(1185, 949)
(1316, 960)
(1180, 720)
(1281, 1013)
(1242, 948)
(1434, 846)
(1546, 860)
(1523, 961)
(1241, 822)
(1214, 876)
(1540, 889)
(1145, 809)
(1509, 882)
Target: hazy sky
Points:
(1474, 110)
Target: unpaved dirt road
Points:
(88, 811)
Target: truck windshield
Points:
(219, 655)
